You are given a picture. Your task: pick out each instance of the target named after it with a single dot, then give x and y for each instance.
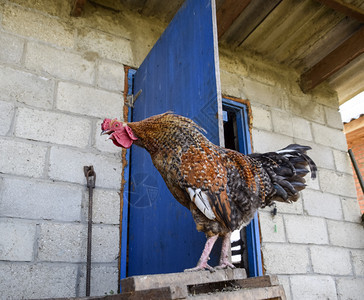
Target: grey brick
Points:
(301, 128)
(104, 279)
(265, 141)
(38, 26)
(62, 242)
(106, 206)
(232, 84)
(272, 228)
(282, 122)
(262, 118)
(59, 63)
(105, 243)
(342, 233)
(331, 260)
(317, 203)
(111, 76)
(285, 259)
(67, 165)
(17, 240)
(52, 127)
(89, 101)
(305, 230)
(350, 288)
(313, 287)
(11, 49)
(22, 158)
(333, 118)
(35, 281)
(22, 198)
(358, 261)
(342, 162)
(111, 47)
(351, 209)
(26, 88)
(337, 183)
(331, 137)
(290, 208)
(6, 116)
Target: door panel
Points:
(180, 74)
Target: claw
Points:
(225, 265)
(201, 267)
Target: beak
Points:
(105, 132)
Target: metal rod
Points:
(91, 179)
(357, 171)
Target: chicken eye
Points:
(116, 125)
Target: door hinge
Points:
(130, 99)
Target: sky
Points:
(353, 108)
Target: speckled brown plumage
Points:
(221, 187)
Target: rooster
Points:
(221, 187)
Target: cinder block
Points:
(337, 183)
(35, 281)
(102, 143)
(351, 209)
(106, 206)
(111, 76)
(67, 165)
(59, 63)
(331, 260)
(358, 261)
(6, 116)
(33, 199)
(26, 88)
(282, 122)
(262, 118)
(301, 129)
(350, 288)
(333, 118)
(317, 203)
(263, 94)
(331, 137)
(62, 242)
(313, 287)
(59, 8)
(282, 258)
(284, 280)
(342, 162)
(30, 24)
(272, 228)
(52, 127)
(111, 47)
(20, 158)
(290, 208)
(232, 84)
(89, 101)
(306, 230)
(265, 141)
(17, 240)
(104, 280)
(11, 49)
(345, 234)
(105, 243)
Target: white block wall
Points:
(315, 245)
(59, 77)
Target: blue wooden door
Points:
(180, 74)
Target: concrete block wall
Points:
(59, 77)
(315, 245)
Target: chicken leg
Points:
(202, 263)
(225, 258)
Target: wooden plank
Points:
(354, 125)
(333, 62)
(228, 12)
(77, 8)
(345, 8)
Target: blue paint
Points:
(178, 75)
(252, 230)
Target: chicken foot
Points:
(225, 258)
(202, 263)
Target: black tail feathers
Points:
(286, 169)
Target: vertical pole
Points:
(91, 179)
(357, 170)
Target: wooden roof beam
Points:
(77, 8)
(334, 61)
(228, 12)
(345, 8)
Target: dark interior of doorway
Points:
(239, 251)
